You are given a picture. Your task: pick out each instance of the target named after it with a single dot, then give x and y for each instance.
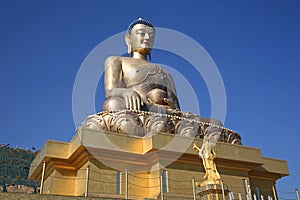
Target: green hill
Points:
(14, 167)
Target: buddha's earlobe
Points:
(129, 49)
(127, 40)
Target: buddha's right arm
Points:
(112, 75)
(115, 86)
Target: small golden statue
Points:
(208, 155)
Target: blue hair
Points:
(138, 21)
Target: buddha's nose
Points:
(147, 36)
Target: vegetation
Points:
(14, 167)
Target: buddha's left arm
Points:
(172, 95)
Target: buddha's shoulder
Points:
(118, 59)
(112, 59)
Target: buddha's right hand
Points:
(132, 99)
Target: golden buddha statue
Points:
(134, 83)
(141, 96)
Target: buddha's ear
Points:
(127, 40)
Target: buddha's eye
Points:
(151, 35)
(142, 33)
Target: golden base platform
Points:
(105, 164)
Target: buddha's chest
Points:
(136, 73)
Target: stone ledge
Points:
(138, 149)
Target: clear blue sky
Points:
(255, 45)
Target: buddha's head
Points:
(140, 36)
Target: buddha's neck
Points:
(138, 55)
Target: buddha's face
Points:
(141, 38)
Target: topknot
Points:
(138, 21)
